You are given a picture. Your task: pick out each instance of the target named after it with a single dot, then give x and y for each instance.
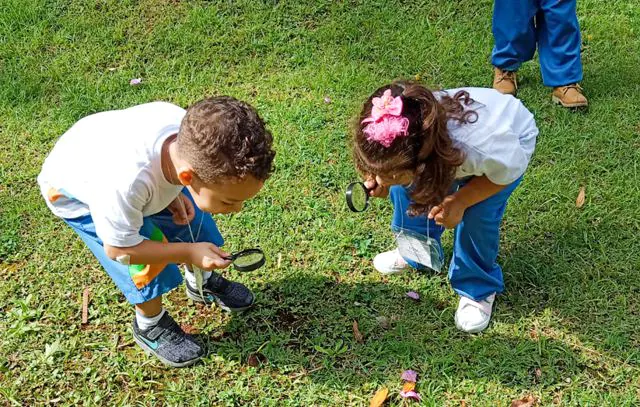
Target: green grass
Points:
(572, 303)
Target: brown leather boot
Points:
(505, 81)
(569, 96)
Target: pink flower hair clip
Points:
(386, 122)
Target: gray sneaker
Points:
(168, 342)
(229, 295)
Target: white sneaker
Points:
(474, 316)
(390, 263)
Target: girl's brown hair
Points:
(427, 150)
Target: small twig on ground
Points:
(85, 307)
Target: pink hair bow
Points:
(386, 121)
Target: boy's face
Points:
(224, 197)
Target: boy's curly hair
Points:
(427, 150)
(224, 138)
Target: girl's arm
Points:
(477, 190)
(450, 212)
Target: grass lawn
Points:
(565, 330)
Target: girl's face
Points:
(404, 177)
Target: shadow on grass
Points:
(305, 325)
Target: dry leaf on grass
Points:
(256, 359)
(379, 398)
(356, 333)
(527, 401)
(580, 198)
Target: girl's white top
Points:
(501, 142)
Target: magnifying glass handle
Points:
(231, 257)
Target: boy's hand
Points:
(375, 189)
(448, 213)
(177, 209)
(208, 256)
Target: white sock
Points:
(145, 323)
(191, 278)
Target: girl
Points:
(449, 159)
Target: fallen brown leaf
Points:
(379, 398)
(527, 401)
(538, 372)
(256, 359)
(580, 198)
(356, 333)
(408, 386)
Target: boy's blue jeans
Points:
(473, 271)
(140, 283)
(518, 25)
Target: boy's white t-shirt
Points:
(500, 143)
(108, 164)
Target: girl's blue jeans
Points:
(473, 271)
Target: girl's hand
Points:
(208, 256)
(448, 213)
(375, 189)
(177, 210)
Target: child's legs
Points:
(139, 283)
(474, 272)
(559, 43)
(420, 224)
(513, 33)
(203, 226)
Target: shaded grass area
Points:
(565, 330)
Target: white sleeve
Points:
(117, 215)
(505, 161)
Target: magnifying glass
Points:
(247, 260)
(357, 196)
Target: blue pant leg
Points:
(203, 226)
(474, 272)
(559, 43)
(168, 279)
(421, 224)
(513, 33)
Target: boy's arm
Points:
(206, 256)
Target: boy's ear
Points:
(185, 175)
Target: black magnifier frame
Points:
(247, 252)
(349, 196)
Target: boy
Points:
(130, 181)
